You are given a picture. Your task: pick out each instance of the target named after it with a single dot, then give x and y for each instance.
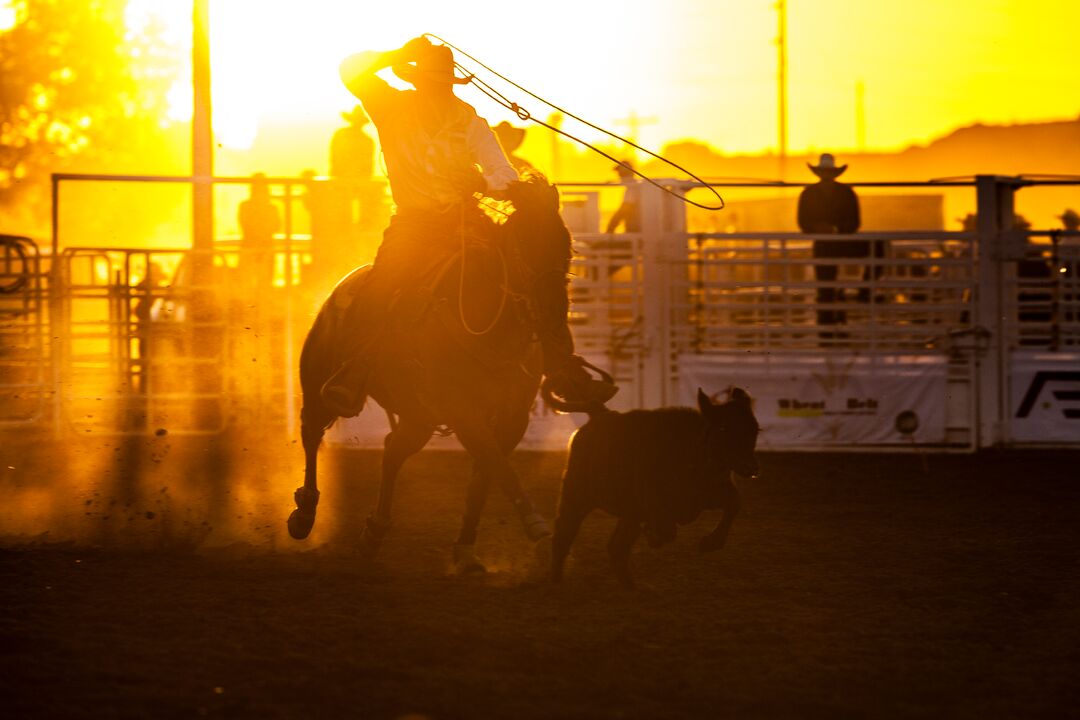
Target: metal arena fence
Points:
(926, 338)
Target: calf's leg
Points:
(620, 544)
(732, 505)
(567, 525)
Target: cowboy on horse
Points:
(440, 155)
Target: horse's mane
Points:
(536, 225)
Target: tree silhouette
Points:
(78, 92)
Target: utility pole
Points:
(555, 120)
(781, 45)
(633, 123)
(202, 133)
(860, 116)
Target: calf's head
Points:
(731, 431)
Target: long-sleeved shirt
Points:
(422, 166)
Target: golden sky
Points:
(703, 69)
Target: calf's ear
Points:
(739, 395)
(703, 402)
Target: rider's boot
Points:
(565, 371)
(572, 382)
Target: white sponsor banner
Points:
(830, 400)
(1045, 397)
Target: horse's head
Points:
(536, 225)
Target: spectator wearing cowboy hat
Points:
(352, 151)
(439, 153)
(510, 138)
(629, 213)
(829, 207)
(1070, 220)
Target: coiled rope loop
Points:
(524, 115)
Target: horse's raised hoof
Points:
(536, 527)
(466, 562)
(372, 537)
(302, 519)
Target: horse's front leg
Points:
(313, 425)
(406, 440)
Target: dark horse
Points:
(458, 353)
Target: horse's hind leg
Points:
(567, 525)
(465, 560)
(492, 460)
(508, 435)
(313, 425)
(402, 443)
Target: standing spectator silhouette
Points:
(259, 220)
(629, 213)
(510, 138)
(352, 164)
(1070, 220)
(327, 227)
(829, 207)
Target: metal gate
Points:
(153, 343)
(25, 371)
(957, 340)
(949, 340)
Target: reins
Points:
(524, 114)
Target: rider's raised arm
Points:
(489, 155)
(358, 72)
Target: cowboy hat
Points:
(827, 167)
(1069, 217)
(510, 137)
(356, 116)
(435, 63)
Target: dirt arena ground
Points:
(153, 579)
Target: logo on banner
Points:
(1042, 377)
(794, 407)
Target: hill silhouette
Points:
(1030, 149)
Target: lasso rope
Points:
(524, 114)
(461, 284)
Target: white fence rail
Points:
(929, 339)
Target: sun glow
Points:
(9, 17)
(704, 70)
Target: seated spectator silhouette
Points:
(629, 213)
(259, 220)
(830, 207)
(510, 138)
